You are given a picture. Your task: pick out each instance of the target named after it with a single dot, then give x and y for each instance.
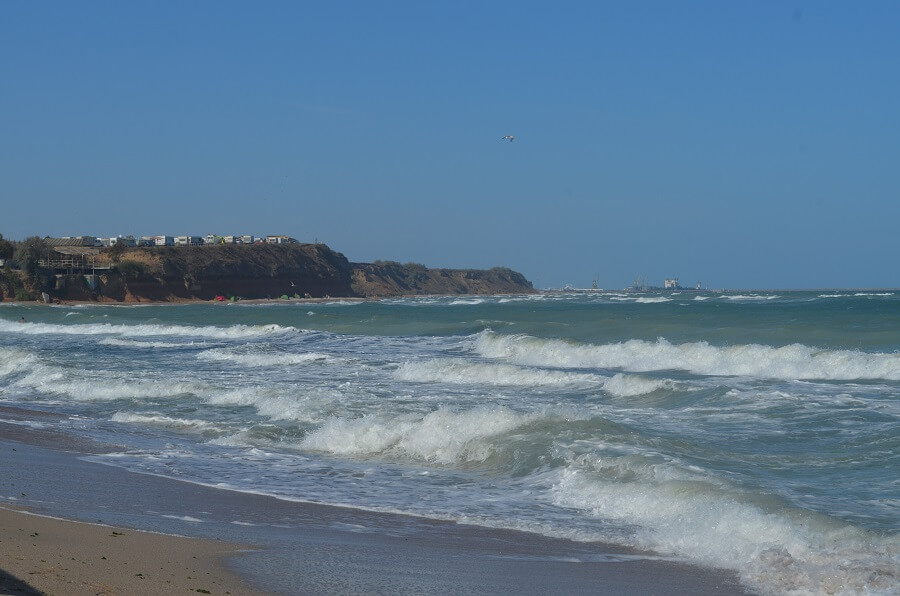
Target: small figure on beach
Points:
(509, 138)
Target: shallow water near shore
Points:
(753, 431)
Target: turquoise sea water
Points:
(753, 431)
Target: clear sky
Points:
(741, 144)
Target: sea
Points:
(752, 431)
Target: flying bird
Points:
(509, 138)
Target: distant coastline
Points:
(231, 272)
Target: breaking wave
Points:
(795, 361)
(84, 389)
(775, 549)
(459, 371)
(749, 297)
(231, 332)
(131, 343)
(13, 361)
(442, 437)
(463, 372)
(261, 358)
(622, 385)
(180, 424)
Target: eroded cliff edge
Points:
(167, 274)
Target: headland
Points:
(228, 272)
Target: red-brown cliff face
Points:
(270, 271)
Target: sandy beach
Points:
(54, 556)
(298, 548)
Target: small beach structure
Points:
(72, 255)
(281, 240)
(188, 240)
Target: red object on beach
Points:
(220, 298)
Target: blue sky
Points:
(741, 144)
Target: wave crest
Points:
(231, 332)
(442, 436)
(459, 371)
(261, 358)
(795, 361)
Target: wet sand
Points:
(300, 548)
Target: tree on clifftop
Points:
(115, 252)
(6, 248)
(27, 254)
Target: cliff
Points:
(394, 279)
(268, 271)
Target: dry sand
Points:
(53, 556)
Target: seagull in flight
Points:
(509, 138)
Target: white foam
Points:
(749, 297)
(775, 551)
(185, 518)
(182, 424)
(131, 343)
(57, 382)
(463, 372)
(13, 361)
(622, 385)
(795, 361)
(232, 332)
(469, 302)
(459, 371)
(277, 404)
(442, 436)
(652, 300)
(260, 359)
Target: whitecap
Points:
(795, 361)
(442, 436)
(459, 371)
(261, 358)
(142, 330)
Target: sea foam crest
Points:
(463, 372)
(13, 361)
(58, 382)
(47, 379)
(749, 297)
(260, 359)
(795, 361)
(310, 406)
(233, 331)
(133, 343)
(442, 436)
(622, 385)
(775, 551)
(459, 371)
(180, 424)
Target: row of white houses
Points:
(179, 240)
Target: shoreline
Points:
(360, 299)
(313, 548)
(183, 301)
